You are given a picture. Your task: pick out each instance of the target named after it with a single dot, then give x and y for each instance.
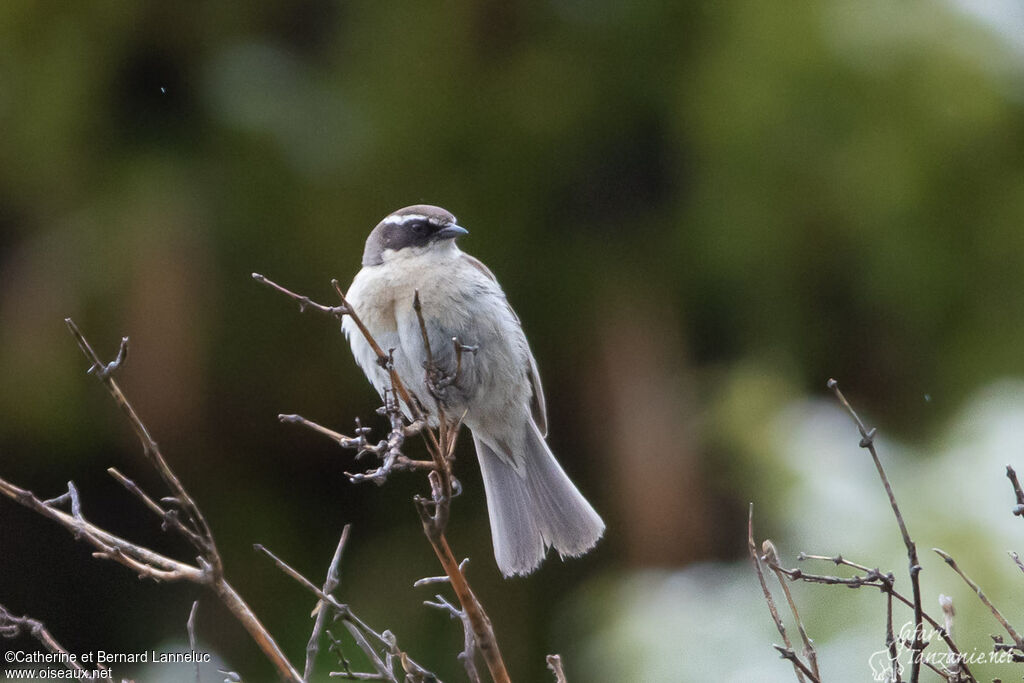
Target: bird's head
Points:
(418, 227)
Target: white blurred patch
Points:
(710, 622)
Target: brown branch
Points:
(194, 528)
(868, 441)
(145, 562)
(483, 631)
(104, 372)
(388, 450)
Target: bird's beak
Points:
(451, 231)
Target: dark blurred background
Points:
(700, 211)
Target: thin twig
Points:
(321, 609)
(884, 582)
(801, 668)
(426, 581)
(981, 596)
(772, 559)
(169, 517)
(145, 562)
(868, 441)
(798, 666)
(104, 372)
(347, 616)
(890, 641)
(191, 628)
(210, 570)
(469, 642)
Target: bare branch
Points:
(868, 441)
(146, 563)
(469, 642)
(194, 528)
(353, 623)
(426, 581)
(321, 610)
(884, 581)
(194, 518)
(798, 667)
(1017, 560)
(771, 555)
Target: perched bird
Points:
(532, 503)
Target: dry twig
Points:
(786, 652)
(186, 519)
(771, 556)
(867, 441)
(361, 632)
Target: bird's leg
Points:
(439, 381)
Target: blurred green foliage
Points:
(766, 195)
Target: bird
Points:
(412, 254)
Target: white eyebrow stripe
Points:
(409, 217)
(404, 219)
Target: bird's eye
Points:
(419, 228)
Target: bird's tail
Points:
(535, 507)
